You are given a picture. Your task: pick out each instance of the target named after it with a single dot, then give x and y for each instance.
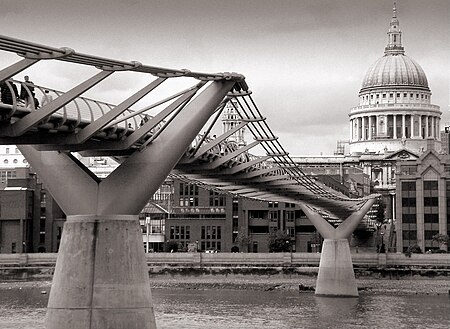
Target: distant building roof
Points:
(154, 208)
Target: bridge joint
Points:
(278, 154)
(240, 93)
(253, 119)
(65, 52)
(173, 74)
(125, 67)
(266, 139)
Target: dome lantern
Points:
(394, 46)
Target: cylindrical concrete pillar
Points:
(101, 278)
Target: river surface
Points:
(24, 308)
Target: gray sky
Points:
(304, 60)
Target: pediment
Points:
(430, 173)
(403, 155)
(430, 157)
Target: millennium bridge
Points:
(101, 278)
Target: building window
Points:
(7, 150)
(216, 199)
(391, 95)
(405, 95)
(384, 95)
(409, 217)
(190, 193)
(290, 216)
(398, 94)
(273, 216)
(211, 236)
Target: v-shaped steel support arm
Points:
(129, 187)
(344, 230)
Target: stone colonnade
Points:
(394, 126)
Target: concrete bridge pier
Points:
(101, 279)
(336, 277)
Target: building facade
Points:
(423, 194)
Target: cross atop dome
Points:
(394, 46)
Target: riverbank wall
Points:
(389, 265)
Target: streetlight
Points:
(147, 224)
(382, 248)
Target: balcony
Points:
(396, 106)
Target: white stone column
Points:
(433, 126)
(385, 169)
(420, 127)
(370, 128)
(403, 125)
(378, 122)
(358, 126)
(412, 126)
(351, 130)
(388, 173)
(438, 132)
(427, 133)
(386, 125)
(363, 129)
(395, 126)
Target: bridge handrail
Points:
(32, 50)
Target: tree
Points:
(279, 242)
(379, 211)
(242, 239)
(171, 246)
(442, 239)
(413, 249)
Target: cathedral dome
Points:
(396, 70)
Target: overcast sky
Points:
(304, 60)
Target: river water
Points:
(24, 308)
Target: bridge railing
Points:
(250, 259)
